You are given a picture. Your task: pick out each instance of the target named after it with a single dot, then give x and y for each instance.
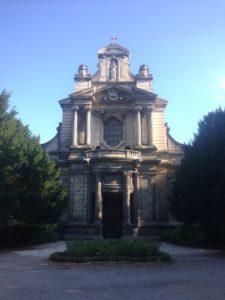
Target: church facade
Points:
(115, 152)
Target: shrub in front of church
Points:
(183, 234)
(111, 250)
(30, 188)
(25, 234)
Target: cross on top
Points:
(114, 39)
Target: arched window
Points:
(113, 132)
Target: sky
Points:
(43, 42)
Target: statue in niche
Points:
(113, 71)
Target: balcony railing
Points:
(113, 154)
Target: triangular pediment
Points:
(114, 93)
(119, 93)
(88, 92)
(143, 93)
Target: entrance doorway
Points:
(112, 215)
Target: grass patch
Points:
(111, 250)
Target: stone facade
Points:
(115, 152)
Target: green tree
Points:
(198, 194)
(30, 187)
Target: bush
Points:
(184, 234)
(111, 250)
(23, 234)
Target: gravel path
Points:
(194, 274)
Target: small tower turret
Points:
(144, 78)
(82, 78)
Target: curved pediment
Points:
(113, 49)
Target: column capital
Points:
(75, 108)
(88, 107)
(127, 173)
(149, 108)
(138, 108)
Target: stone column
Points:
(154, 199)
(88, 126)
(126, 200)
(98, 199)
(149, 114)
(74, 131)
(138, 118)
(136, 198)
(70, 202)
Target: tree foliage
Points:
(199, 190)
(30, 188)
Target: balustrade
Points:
(127, 154)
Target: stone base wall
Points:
(78, 197)
(148, 190)
(94, 231)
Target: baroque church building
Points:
(115, 152)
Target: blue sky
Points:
(44, 41)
